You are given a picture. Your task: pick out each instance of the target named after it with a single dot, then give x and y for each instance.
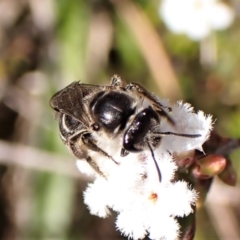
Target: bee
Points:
(118, 109)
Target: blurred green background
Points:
(44, 46)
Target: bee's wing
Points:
(70, 101)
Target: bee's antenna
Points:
(157, 167)
(180, 134)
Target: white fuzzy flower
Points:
(195, 18)
(146, 205)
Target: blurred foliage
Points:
(45, 45)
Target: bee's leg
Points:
(88, 141)
(144, 93)
(116, 81)
(93, 164)
(80, 155)
(163, 113)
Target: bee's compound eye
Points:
(69, 123)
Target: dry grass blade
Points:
(35, 159)
(99, 43)
(151, 47)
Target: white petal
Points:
(221, 16)
(180, 198)
(187, 122)
(197, 28)
(172, 15)
(96, 197)
(131, 224)
(85, 168)
(195, 18)
(166, 166)
(167, 228)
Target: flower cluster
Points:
(145, 204)
(196, 18)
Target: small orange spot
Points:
(153, 197)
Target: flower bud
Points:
(212, 164)
(208, 166)
(197, 173)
